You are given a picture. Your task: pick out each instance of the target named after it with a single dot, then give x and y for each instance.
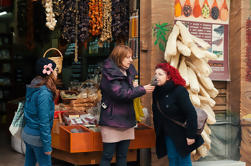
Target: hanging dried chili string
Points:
(96, 17)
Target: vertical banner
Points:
(208, 20)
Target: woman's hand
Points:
(190, 141)
(149, 88)
(48, 153)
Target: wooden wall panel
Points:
(222, 99)
(234, 55)
(245, 97)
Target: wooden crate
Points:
(90, 141)
(97, 141)
(141, 133)
(76, 142)
(144, 137)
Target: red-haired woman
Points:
(175, 103)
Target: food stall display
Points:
(76, 133)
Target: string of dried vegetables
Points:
(83, 23)
(76, 31)
(120, 19)
(107, 21)
(50, 16)
(57, 7)
(96, 17)
(68, 22)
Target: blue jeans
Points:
(121, 153)
(175, 159)
(36, 154)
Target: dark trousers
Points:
(121, 149)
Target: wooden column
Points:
(152, 12)
(145, 68)
(234, 55)
(145, 47)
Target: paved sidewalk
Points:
(220, 163)
(9, 157)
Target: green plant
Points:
(160, 32)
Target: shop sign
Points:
(209, 20)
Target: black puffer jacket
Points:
(175, 103)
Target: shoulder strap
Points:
(174, 121)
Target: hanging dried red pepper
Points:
(96, 17)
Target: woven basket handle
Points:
(53, 49)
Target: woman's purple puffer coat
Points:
(117, 96)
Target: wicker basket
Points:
(57, 60)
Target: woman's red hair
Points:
(172, 72)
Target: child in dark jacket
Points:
(39, 113)
(173, 100)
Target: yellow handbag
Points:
(139, 114)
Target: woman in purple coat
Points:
(117, 117)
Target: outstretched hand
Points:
(149, 88)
